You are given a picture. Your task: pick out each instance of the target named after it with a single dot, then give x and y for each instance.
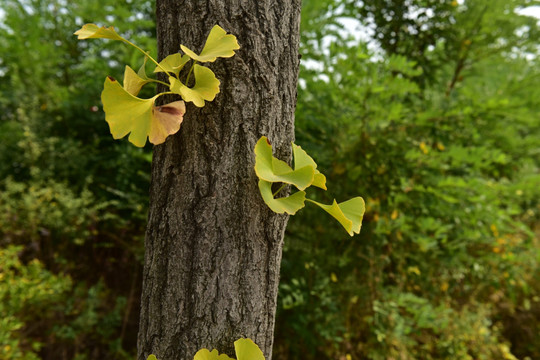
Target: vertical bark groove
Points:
(213, 248)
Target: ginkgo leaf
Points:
(302, 159)
(151, 357)
(166, 120)
(133, 82)
(271, 169)
(246, 349)
(126, 114)
(142, 69)
(349, 213)
(206, 86)
(205, 354)
(354, 210)
(173, 63)
(290, 204)
(218, 44)
(92, 31)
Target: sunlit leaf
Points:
(142, 69)
(166, 120)
(218, 44)
(206, 86)
(290, 204)
(271, 169)
(133, 82)
(92, 31)
(151, 357)
(126, 114)
(302, 159)
(205, 354)
(349, 213)
(173, 63)
(246, 349)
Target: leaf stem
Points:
(159, 81)
(145, 54)
(190, 71)
(278, 190)
(166, 93)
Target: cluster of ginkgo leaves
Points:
(126, 113)
(272, 170)
(245, 349)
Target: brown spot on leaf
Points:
(169, 110)
(111, 78)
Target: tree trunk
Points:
(213, 248)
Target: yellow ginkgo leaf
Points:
(166, 120)
(301, 159)
(206, 86)
(92, 31)
(142, 70)
(349, 213)
(172, 63)
(218, 44)
(205, 354)
(246, 349)
(126, 114)
(271, 169)
(133, 82)
(290, 204)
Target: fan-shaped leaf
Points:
(142, 69)
(290, 204)
(126, 114)
(205, 354)
(246, 349)
(173, 63)
(133, 82)
(271, 169)
(206, 86)
(166, 120)
(302, 159)
(92, 31)
(349, 213)
(218, 44)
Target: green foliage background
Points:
(430, 110)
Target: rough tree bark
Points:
(213, 248)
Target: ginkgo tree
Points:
(141, 118)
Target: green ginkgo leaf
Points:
(218, 44)
(271, 169)
(126, 114)
(246, 349)
(349, 213)
(173, 63)
(206, 86)
(92, 31)
(205, 354)
(142, 69)
(151, 357)
(133, 82)
(302, 159)
(290, 204)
